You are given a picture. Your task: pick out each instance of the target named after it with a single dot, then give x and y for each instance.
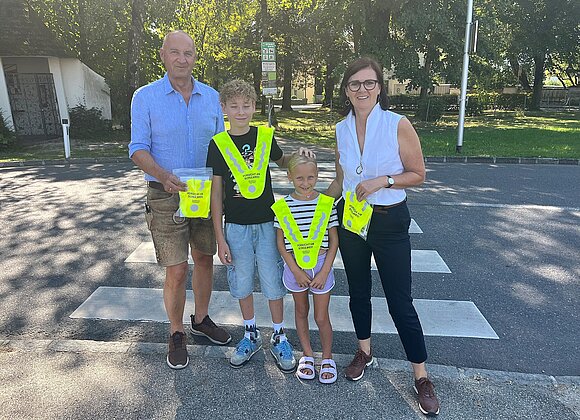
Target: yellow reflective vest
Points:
(305, 249)
(250, 181)
(195, 202)
(357, 214)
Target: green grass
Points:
(498, 134)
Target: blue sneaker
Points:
(283, 354)
(245, 349)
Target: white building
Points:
(39, 79)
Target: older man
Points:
(172, 122)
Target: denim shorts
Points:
(254, 246)
(171, 235)
(292, 285)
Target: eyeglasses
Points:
(355, 85)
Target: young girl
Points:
(308, 241)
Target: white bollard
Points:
(65, 136)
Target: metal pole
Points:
(464, 77)
(270, 106)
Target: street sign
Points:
(268, 53)
(269, 66)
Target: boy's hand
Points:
(302, 279)
(319, 280)
(306, 152)
(224, 253)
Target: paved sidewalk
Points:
(76, 379)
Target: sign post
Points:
(269, 89)
(463, 97)
(66, 139)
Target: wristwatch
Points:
(390, 181)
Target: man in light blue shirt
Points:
(172, 122)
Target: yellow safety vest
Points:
(195, 202)
(357, 214)
(251, 181)
(305, 250)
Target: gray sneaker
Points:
(245, 349)
(283, 354)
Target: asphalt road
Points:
(509, 233)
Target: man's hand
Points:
(172, 184)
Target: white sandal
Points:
(306, 363)
(331, 370)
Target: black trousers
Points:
(388, 240)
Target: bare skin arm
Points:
(216, 205)
(335, 187)
(413, 164)
(320, 278)
(145, 162)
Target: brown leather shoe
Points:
(356, 369)
(207, 328)
(177, 357)
(428, 402)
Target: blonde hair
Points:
(298, 159)
(237, 89)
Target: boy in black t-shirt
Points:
(242, 190)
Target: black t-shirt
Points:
(238, 209)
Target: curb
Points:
(427, 159)
(216, 352)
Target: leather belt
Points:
(156, 185)
(379, 208)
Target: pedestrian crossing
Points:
(446, 318)
(422, 261)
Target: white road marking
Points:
(509, 206)
(422, 261)
(446, 318)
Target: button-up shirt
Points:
(175, 133)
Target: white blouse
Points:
(380, 155)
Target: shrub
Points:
(431, 109)
(7, 136)
(87, 122)
(474, 106)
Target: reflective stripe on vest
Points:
(356, 215)
(195, 202)
(305, 250)
(250, 181)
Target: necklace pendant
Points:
(359, 169)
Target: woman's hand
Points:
(366, 188)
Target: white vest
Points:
(380, 156)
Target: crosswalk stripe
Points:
(447, 318)
(422, 261)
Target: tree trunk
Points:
(287, 92)
(520, 73)
(539, 66)
(329, 83)
(318, 82)
(426, 86)
(134, 50)
(82, 22)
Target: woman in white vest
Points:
(378, 155)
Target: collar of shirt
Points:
(168, 88)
